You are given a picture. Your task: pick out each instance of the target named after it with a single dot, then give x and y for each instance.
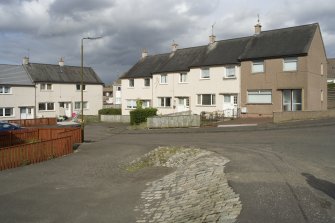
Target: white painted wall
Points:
(217, 85)
(68, 93)
(20, 96)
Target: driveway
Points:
(284, 173)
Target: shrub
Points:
(140, 115)
(110, 111)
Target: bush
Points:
(110, 111)
(140, 115)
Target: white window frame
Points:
(163, 79)
(46, 106)
(228, 73)
(200, 99)
(290, 64)
(146, 82)
(257, 66)
(131, 103)
(77, 105)
(5, 89)
(131, 83)
(46, 87)
(163, 102)
(4, 111)
(205, 73)
(78, 87)
(183, 77)
(259, 96)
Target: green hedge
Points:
(110, 111)
(140, 115)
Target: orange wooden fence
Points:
(36, 145)
(24, 154)
(34, 122)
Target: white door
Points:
(230, 105)
(66, 106)
(26, 113)
(183, 104)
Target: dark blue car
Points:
(4, 126)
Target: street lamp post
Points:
(82, 83)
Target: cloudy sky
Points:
(46, 30)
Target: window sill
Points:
(259, 104)
(164, 107)
(229, 78)
(205, 78)
(183, 82)
(163, 83)
(290, 71)
(205, 105)
(6, 93)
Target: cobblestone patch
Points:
(197, 191)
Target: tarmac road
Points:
(282, 174)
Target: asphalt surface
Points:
(283, 173)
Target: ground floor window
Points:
(77, 105)
(6, 112)
(46, 106)
(260, 96)
(131, 104)
(206, 99)
(292, 100)
(164, 102)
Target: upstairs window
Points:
(78, 87)
(230, 72)
(5, 90)
(205, 73)
(164, 79)
(290, 64)
(258, 66)
(147, 82)
(118, 89)
(182, 77)
(46, 87)
(131, 83)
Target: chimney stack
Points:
(258, 27)
(61, 62)
(25, 60)
(144, 53)
(211, 39)
(174, 46)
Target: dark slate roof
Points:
(331, 68)
(56, 74)
(291, 41)
(146, 66)
(14, 75)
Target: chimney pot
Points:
(61, 62)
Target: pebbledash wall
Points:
(217, 84)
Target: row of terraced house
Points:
(269, 71)
(35, 90)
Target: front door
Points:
(230, 105)
(292, 100)
(26, 113)
(183, 104)
(67, 108)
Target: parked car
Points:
(5, 126)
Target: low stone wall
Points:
(181, 121)
(302, 115)
(115, 118)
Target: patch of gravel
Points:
(197, 191)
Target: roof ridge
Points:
(58, 65)
(291, 27)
